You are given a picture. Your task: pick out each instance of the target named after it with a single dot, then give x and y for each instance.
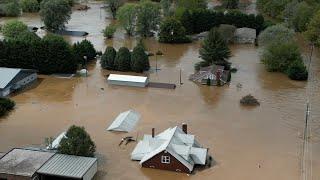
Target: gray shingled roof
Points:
(67, 166)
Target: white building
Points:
(125, 121)
(12, 79)
(128, 80)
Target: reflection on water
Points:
(238, 138)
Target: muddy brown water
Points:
(239, 139)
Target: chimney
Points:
(185, 128)
(152, 132)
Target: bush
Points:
(172, 31)
(84, 48)
(276, 34)
(77, 142)
(55, 13)
(13, 28)
(109, 31)
(108, 58)
(297, 71)
(123, 60)
(6, 105)
(249, 100)
(139, 60)
(227, 32)
(30, 5)
(12, 9)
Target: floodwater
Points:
(259, 143)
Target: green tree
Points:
(215, 50)
(122, 61)
(230, 4)
(298, 15)
(192, 4)
(55, 13)
(166, 7)
(172, 31)
(127, 16)
(109, 31)
(279, 56)
(77, 142)
(313, 30)
(297, 71)
(113, 6)
(6, 105)
(84, 48)
(108, 58)
(139, 60)
(148, 18)
(13, 28)
(276, 34)
(30, 5)
(12, 8)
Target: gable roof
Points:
(67, 166)
(182, 146)
(125, 121)
(7, 75)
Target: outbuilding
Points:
(12, 79)
(128, 80)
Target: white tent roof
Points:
(7, 75)
(55, 144)
(182, 146)
(125, 121)
(127, 78)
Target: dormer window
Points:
(165, 159)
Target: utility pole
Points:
(86, 66)
(181, 77)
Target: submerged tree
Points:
(127, 16)
(113, 6)
(148, 18)
(123, 60)
(55, 13)
(215, 50)
(77, 142)
(139, 60)
(13, 28)
(108, 58)
(313, 30)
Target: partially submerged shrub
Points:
(12, 9)
(6, 105)
(109, 31)
(297, 71)
(30, 6)
(249, 100)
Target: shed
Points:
(128, 80)
(22, 163)
(62, 166)
(12, 79)
(125, 121)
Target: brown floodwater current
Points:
(239, 139)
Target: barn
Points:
(12, 79)
(128, 80)
(173, 149)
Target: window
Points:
(165, 159)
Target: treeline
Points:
(200, 20)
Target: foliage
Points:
(55, 13)
(77, 142)
(172, 31)
(30, 5)
(249, 100)
(192, 4)
(109, 31)
(297, 71)
(139, 60)
(13, 28)
(272, 8)
(276, 34)
(84, 48)
(227, 32)
(230, 4)
(108, 58)
(278, 56)
(215, 50)
(6, 105)
(127, 17)
(12, 9)
(148, 18)
(166, 7)
(123, 60)
(113, 6)
(313, 30)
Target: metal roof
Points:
(23, 162)
(7, 75)
(125, 121)
(127, 78)
(67, 166)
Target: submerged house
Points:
(211, 75)
(173, 149)
(125, 122)
(12, 79)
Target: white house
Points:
(12, 79)
(128, 80)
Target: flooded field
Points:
(239, 139)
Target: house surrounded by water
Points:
(173, 149)
(12, 79)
